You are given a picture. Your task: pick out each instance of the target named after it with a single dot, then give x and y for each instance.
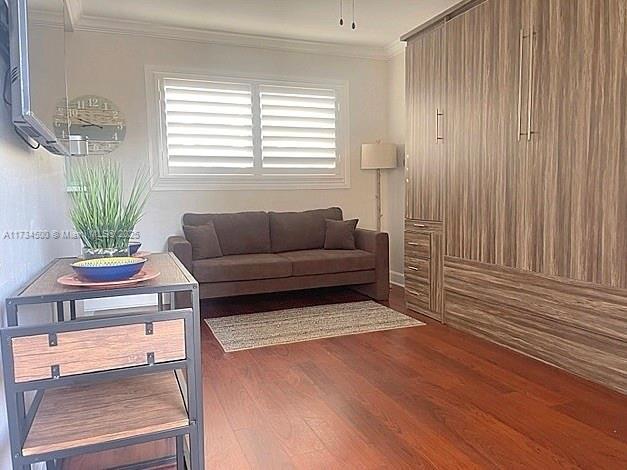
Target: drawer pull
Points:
(413, 268)
(420, 225)
(413, 244)
(413, 292)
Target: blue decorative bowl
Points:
(133, 247)
(108, 269)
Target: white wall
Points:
(394, 180)
(113, 66)
(32, 193)
(32, 198)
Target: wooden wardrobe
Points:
(516, 202)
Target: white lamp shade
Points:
(378, 156)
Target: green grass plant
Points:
(103, 215)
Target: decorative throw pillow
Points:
(340, 234)
(204, 240)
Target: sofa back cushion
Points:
(239, 233)
(292, 231)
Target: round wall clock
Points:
(94, 117)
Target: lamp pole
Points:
(379, 213)
(378, 156)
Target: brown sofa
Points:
(282, 251)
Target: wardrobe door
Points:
(424, 133)
(483, 116)
(579, 137)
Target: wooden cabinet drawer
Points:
(417, 269)
(417, 294)
(423, 267)
(414, 225)
(119, 347)
(418, 245)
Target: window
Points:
(208, 126)
(234, 132)
(298, 127)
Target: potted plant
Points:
(103, 215)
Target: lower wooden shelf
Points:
(82, 415)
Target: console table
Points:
(44, 289)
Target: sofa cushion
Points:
(340, 234)
(290, 231)
(204, 240)
(241, 268)
(239, 233)
(306, 262)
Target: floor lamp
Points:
(378, 156)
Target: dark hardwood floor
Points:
(427, 397)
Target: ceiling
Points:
(379, 22)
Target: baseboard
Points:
(398, 279)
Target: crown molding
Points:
(47, 19)
(73, 13)
(76, 21)
(97, 24)
(394, 48)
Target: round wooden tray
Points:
(74, 281)
(141, 254)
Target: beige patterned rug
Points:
(256, 330)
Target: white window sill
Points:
(237, 182)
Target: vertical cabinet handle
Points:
(521, 40)
(438, 114)
(532, 36)
(409, 212)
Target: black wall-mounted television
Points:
(38, 72)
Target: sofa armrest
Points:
(182, 249)
(377, 243)
(371, 241)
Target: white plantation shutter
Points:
(215, 132)
(208, 125)
(298, 127)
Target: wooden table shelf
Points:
(71, 417)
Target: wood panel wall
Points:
(424, 159)
(483, 148)
(577, 158)
(556, 202)
(572, 324)
(530, 178)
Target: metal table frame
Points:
(19, 417)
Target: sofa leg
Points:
(376, 291)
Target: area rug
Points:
(257, 330)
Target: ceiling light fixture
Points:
(341, 12)
(353, 24)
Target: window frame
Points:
(245, 178)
